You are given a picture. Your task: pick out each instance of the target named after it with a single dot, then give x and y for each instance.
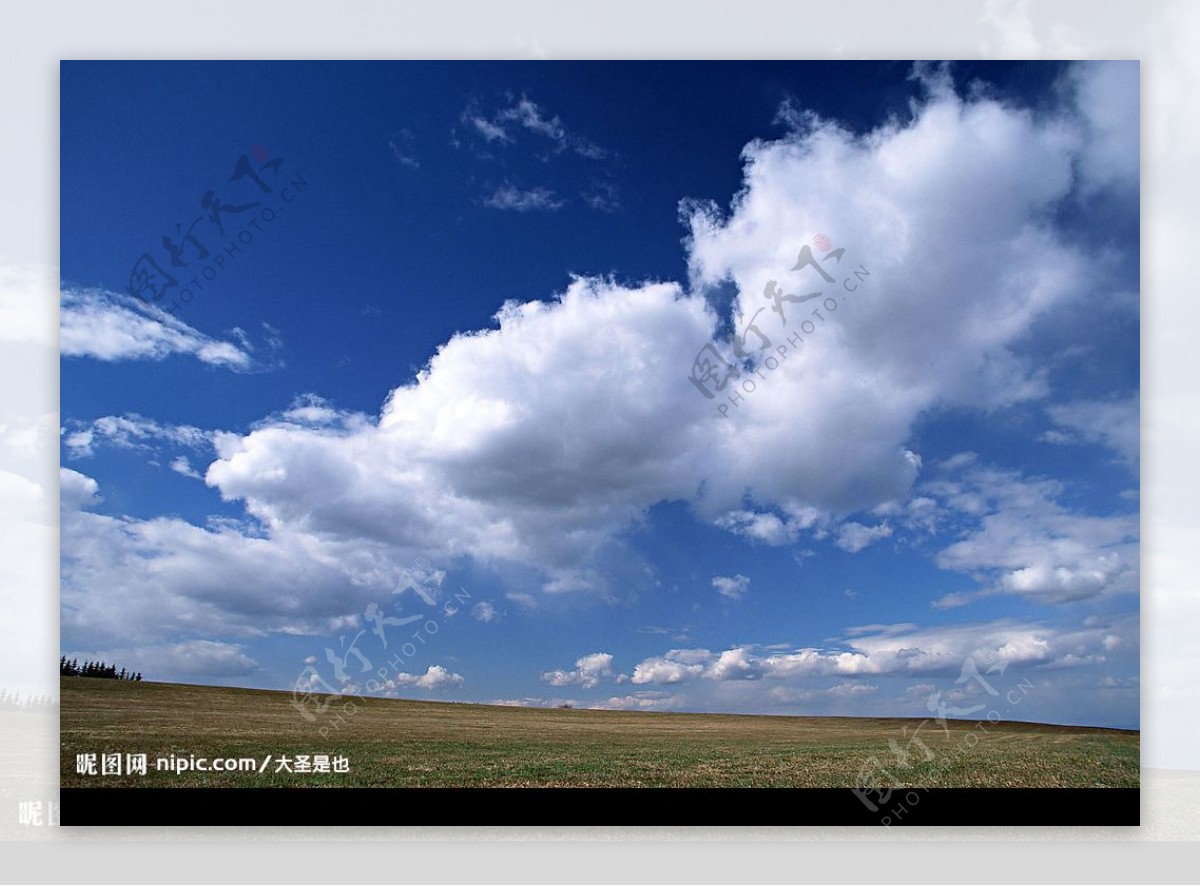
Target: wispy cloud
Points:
(528, 114)
(602, 196)
(522, 127)
(731, 587)
(512, 198)
(401, 145)
(129, 431)
(490, 131)
(111, 327)
(524, 114)
(1111, 423)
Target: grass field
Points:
(429, 744)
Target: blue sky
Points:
(447, 374)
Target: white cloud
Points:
(510, 197)
(675, 666)
(896, 650)
(127, 580)
(601, 196)
(853, 537)
(526, 114)
(313, 410)
(732, 587)
(1056, 437)
(181, 465)
(1029, 544)
(640, 701)
(187, 660)
(1106, 94)
(506, 447)
(1112, 423)
(734, 664)
(529, 701)
(129, 431)
(111, 327)
(194, 657)
(906, 339)
(435, 677)
(401, 146)
(851, 690)
(491, 132)
(768, 527)
(589, 670)
(794, 117)
(484, 612)
(77, 491)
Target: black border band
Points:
(598, 806)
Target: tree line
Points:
(100, 669)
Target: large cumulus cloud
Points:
(541, 441)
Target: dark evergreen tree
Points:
(101, 669)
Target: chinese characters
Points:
(712, 373)
(200, 244)
(878, 781)
(313, 695)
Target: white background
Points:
(1163, 35)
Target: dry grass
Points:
(428, 744)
